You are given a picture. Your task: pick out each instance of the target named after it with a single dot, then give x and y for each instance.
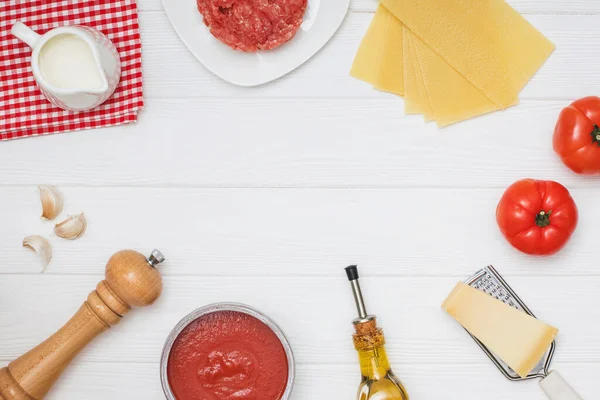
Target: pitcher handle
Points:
(25, 33)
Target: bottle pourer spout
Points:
(352, 273)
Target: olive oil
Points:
(378, 381)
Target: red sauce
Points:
(227, 355)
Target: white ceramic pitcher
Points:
(79, 98)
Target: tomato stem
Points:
(596, 135)
(543, 218)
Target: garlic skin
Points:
(52, 201)
(71, 228)
(41, 246)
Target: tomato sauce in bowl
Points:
(227, 352)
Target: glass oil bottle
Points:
(378, 382)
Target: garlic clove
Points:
(41, 246)
(52, 201)
(71, 228)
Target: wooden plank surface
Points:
(303, 143)
(262, 195)
(314, 312)
(291, 232)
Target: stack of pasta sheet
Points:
(450, 59)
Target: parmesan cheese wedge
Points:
(516, 337)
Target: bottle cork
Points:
(368, 336)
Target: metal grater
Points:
(489, 281)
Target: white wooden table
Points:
(263, 195)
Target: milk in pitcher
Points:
(67, 62)
(77, 68)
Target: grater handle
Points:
(556, 388)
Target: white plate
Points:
(322, 19)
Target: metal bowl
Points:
(211, 308)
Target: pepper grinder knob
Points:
(156, 257)
(129, 276)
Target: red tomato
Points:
(537, 217)
(577, 136)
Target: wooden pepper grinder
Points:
(131, 281)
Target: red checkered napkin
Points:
(24, 111)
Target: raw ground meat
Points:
(251, 25)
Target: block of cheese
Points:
(452, 97)
(487, 42)
(517, 338)
(367, 60)
(390, 75)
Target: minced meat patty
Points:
(251, 25)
